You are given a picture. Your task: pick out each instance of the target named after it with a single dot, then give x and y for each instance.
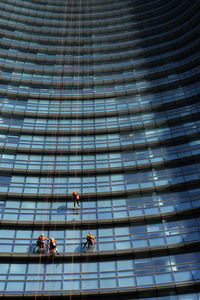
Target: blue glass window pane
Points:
(30, 190)
(36, 268)
(163, 278)
(184, 275)
(122, 231)
(104, 215)
(10, 216)
(6, 248)
(106, 246)
(15, 286)
(108, 283)
(145, 280)
(71, 285)
(120, 214)
(2, 286)
(106, 232)
(107, 274)
(90, 284)
(125, 273)
(157, 241)
(4, 268)
(117, 187)
(89, 267)
(107, 266)
(192, 237)
(27, 217)
(12, 204)
(124, 265)
(69, 269)
(123, 245)
(54, 268)
(21, 249)
(23, 234)
(7, 233)
(140, 243)
(17, 268)
(189, 297)
(154, 227)
(59, 234)
(196, 274)
(3, 189)
(174, 239)
(53, 285)
(27, 204)
(127, 281)
(34, 286)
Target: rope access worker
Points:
(89, 240)
(41, 241)
(76, 198)
(52, 247)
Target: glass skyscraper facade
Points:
(100, 96)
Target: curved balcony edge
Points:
(170, 216)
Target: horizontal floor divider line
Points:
(98, 81)
(178, 56)
(144, 145)
(96, 255)
(101, 15)
(84, 196)
(145, 52)
(189, 287)
(106, 130)
(96, 95)
(141, 167)
(154, 108)
(133, 221)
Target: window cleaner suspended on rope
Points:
(76, 198)
(40, 247)
(89, 241)
(52, 247)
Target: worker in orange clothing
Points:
(89, 240)
(76, 198)
(52, 247)
(41, 241)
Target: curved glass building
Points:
(100, 96)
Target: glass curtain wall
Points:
(102, 97)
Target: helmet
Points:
(42, 234)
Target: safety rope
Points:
(88, 134)
(61, 86)
(52, 157)
(76, 150)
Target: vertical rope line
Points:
(88, 117)
(52, 273)
(55, 129)
(38, 277)
(66, 72)
(61, 86)
(88, 134)
(58, 104)
(46, 198)
(49, 172)
(77, 107)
